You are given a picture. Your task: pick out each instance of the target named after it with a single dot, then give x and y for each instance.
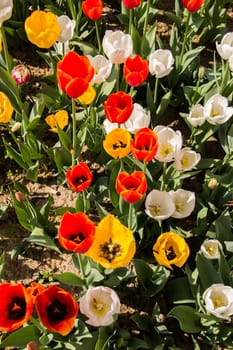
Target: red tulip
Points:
(135, 70)
(74, 73)
(15, 306)
(131, 187)
(193, 5)
(92, 9)
(76, 232)
(79, 177)
(34, 289)
(57, 309)
(118, 107)
(145, 144)
(131, 3)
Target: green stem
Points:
(74, 132)
(5, 50)
(146, 17)
(98, 36)
(130, 217)
(156, 89)
(117, 77)
(187, 29)
(84, 201)
(81, 267)
(144, 167)
(130, 21)
(164, 176)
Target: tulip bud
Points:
(213, 183)
(16, 127)
(32, 345)
(20, 74)
(20, 197)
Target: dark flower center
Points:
(77, 238)
(79, 180)
(119, 144)
(16, 309)
(110, 250)
(170, 253)
(56, 311)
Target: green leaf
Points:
(2, 263)
(207, 273)
(105, 334)
(188, 320)
(21, 337)
(13, 154)
(38, 236)
(176, 294)
(69, 278)
(3, 209)
(64, 139)
(150, 333)
(10, 88)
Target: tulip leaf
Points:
(150, 333)
(207, 273)
(38, 236)
(2, 263)
(70, 279)
(105, 334)
(187, 317)
(21, 337)
(3, 209)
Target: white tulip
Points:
(196, 115)
(218, 300)
(210, 248)
(225, 47)
(216, 110)
(184, 203)
(161, 63)
(186, 159)
(117, 46)
(100, 304)
(170, 141)
(102, 67)
(6, 7)
(159, 205)
(67, 28)
(138, 119)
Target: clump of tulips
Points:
(140, 228)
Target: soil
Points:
(24, 263)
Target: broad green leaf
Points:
(69, 278)
(38, 236)
(21, 337)
(105, 334)
(207, 273)
(3, 209)
(150, 333)
(188, 319)
(2, 263)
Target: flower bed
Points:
(148, 233)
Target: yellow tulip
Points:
(117, 143)
(171, 249)
(6, 109)
(42, 29)
(88, 96)
(114, 245)
(60, 118)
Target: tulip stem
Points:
(187, 29)
(5, 49)
(98, 36)
(144, 167)
(131, 21)
(74, 132)
(81, 267)
(156, 89)
(130, 217)
(117, 76)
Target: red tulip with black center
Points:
(131, 187)
(16, 306)
(135, 70)
(57, 310)
(145, 144)
(79, 177)
(76, 232)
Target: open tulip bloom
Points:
(135, 70)
(117, 143)
(117, 46)
(79, 177)
(218, 299)
(169, 141)
(211, 248)
(6, 7)
(131, 187)
(145, 144)
(184, 203)
(99, 305)
(186, 159)
(225, 47)
(118, 107)
(159, 205)
(216, 110)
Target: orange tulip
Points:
(57, 309)
(145, 144)
(131, 187)
(34, 289)
(130, 4)
(118, 107)
(92, 9)
(135, 70)
(16, 306)
(193, 5)
(117, 143)
(74, 73)
(76, 232)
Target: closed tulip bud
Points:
(20, 197)
(33, 345)
(20, 74)
(212, 184)
(16, 127)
